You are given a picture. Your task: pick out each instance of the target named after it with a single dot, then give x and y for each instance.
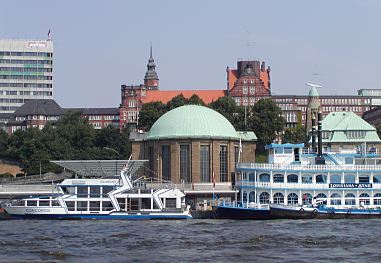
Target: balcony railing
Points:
(309, 167)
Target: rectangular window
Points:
(70, 205)
(224, 163)
(107, 206)
(184, 164)
(95, 205)
(151, 160)
(204, 164)
(82, 191)
(82, 206)
(95, 191)
(44, 203)
(166, 162)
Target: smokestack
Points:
(320, 159)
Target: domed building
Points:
(190, 144)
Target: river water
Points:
(191, 241)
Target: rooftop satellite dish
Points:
(314, 85)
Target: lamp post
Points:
(116, 161)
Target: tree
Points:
(176, 101)
(149, 113)
(266, 121)
(195, 100)
(295, 135)
(228, 108)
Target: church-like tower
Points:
(151, 80)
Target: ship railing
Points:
(305, 186)
(242, 204)
(309, 167)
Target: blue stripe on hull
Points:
(102, 217)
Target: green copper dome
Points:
(192, 121)
(313, 92)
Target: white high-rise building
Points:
(26, 72)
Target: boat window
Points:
(146, 203)
(170, 203)
(55, 203)
(348, 160)
(95, 205)
(31, 203)
(107, 189)
(278, 150)
(321, 199)
(377, 179)
(377, 199)
(292, 178)
(70, 205)
(287, 150)
(95, 191)
(68, 190)
(244, 177)
(264, 178)
(252, 177)
(335, 179)
(292, 198)
(43, 203)
(321, 179)
(107, 206)
(349, 178)
(252, 197)
(244, 197)
(364, 199)
(307, 179)
(350, 199)
(82, 191)
(264, 198)
(307, 199)
(335, 199)
(132, 204)
(363, 179)
(122, 203)
(155, 205)
(278, 198)
(82, 206)
(278, 178)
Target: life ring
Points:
(315, 211)
(349, 212)
(301, 210)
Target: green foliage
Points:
(73, 138)
(295, 135)
(228, 108)
(150, 113)
(266, 121)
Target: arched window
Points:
(335, 199)
(252, 197)
(264, 198)
(363, 178)
(292, 178)
(335, 179)
(349, 178)
(321, 199)
(350, 199)
(364, 199)
(278, 178)
(307, 199)
(307, 179)
(377, 179)
(292, 198)
(252, 177)
(264, 178)
(321, 179)
(377, 199)
(278, 198)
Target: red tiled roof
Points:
(232, 76)
(166, 95)
(264, 76)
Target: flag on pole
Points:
(239, 150)
(49, 34)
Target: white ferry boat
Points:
(298, 183)
(111, 198)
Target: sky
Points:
(100, 45)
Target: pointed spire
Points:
(150, 53)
